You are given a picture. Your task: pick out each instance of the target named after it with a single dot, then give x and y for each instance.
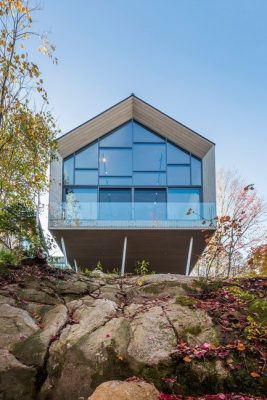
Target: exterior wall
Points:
(55, 191)
(209, 179)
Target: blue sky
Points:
(203, 62)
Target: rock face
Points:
(63, 335)
(125, 391)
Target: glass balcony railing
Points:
(132, 215)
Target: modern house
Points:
(133, 184)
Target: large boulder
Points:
(17, 381)
(118, 390)
(33, 350)
(16, 325)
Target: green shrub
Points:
(208, 286)
(6, 258)
(185, 301)
(142, 268)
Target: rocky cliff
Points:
(63, 334)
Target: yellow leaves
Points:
(240, 346)
(254, 374)
(187, 359)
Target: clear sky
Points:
(203, 62)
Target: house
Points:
(133, 184)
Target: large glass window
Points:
(132, 163)
(143, 135)
(178, 175)
(68, 166)
(122, 137)
(183, 203)
(196, 171)
(87, 158)
(81, 203)
(149, 178)
(115, 162)
(176, 155)
(149, 157)
(115, 204)
(86, 177)
(150, 204)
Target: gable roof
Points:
(133, 108)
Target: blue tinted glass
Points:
(150, 204)
(183, 195)
(87, 158)
(176, 156)
(115, 204)
(122, 137)
(115, 162)
(184, 203)
(121, 181)
(196, 171)
(86, 177)
(81, 204)
(149, 178)
(141, 134)
(178, 175)
(68, 171)
(149, 157)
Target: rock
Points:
(16, 325)
(75, 371)
(152, 339)
(17, 381)
(39, 296)
(7, 300)
(118, 390)
(192, 325)
(34, 349)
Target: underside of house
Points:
(133, 184)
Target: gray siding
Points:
(209, 179)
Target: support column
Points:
(124, 256)
(187, 270)
(64, 251)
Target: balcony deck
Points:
(159, 233)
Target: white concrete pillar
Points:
(189, 255)
(124, 256)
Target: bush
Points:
(6, 258)
(142, 268)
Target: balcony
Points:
(108, 215)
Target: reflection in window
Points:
(122, 137)
(178, 175)
(150, 204)
(68, 171)
(87, 158)
(183, 203)
(149, 157)
(176, 155)
(196, 171)
(149, 178)
(81, 203)
(115, 204)
(143, 135)
(115, 162)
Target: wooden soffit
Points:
(133, 108)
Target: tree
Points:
(258, 259)
(240, 227)
(27, 134)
